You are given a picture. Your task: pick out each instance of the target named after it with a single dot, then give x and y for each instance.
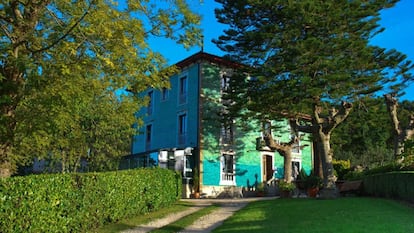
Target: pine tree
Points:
(309, 57)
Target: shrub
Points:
(341, 167)
(79, 202)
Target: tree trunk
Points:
(401, 134)
(285, 150)
(329, 177)
(322, 129)
(287, 165)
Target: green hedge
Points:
(80, 202)
(398, 185)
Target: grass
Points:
(185, 221)
(142, 219)
(344, 215)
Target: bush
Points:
(341, 167)
(79, 202)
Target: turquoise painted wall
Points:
(248, 159)
(164, 118)
(164, 121)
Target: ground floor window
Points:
(227, 169)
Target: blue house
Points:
(183, 130)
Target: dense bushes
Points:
(398, 185)
(78, 202)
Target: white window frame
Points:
(227, 178)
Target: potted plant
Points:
(286, 188)
(313, 183)
(196, 183)
(300, 180)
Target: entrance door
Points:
(267, 167)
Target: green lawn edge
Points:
(342, 215)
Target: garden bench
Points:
(350, 187)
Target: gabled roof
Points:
(207, 57)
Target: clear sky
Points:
(398, 23)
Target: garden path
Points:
(206, 223)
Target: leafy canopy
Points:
(52, 49)
(301, 52)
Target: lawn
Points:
(343, 215)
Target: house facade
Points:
(183, 129)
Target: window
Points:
(296, 146)
(267, 128)
(148, 136)
(183, 90)
(227, 134)
(164, 94)
(225, 83)
(150, 102)
(227, 169)
(182, 128)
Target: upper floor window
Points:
(296, 146)
(164, 94)
(182, 90)
(150, 102)
(148, 133)
(267, 128)
(182, 128)
(148, 136)
(227, 133)
(225, 83)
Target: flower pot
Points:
(313, 192)
(285, 194)
(195, 195)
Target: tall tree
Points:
(401, 132)
(364, 137)
(99, 37)
(68, 122)
(311, 57)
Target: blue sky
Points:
(398, 23)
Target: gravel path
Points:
(206, 223)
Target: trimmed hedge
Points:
(80, 202)
(399, 185)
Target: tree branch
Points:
(64, 35)
(392, 105)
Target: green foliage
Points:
(341, 167)
(55, 44)
(360, 139)
(302, 175)
(79, 202)
(196, 180)
(313, 181)
(66, 121)
(285, 186)
(354, 175)
(391, 185)
(307, 57)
